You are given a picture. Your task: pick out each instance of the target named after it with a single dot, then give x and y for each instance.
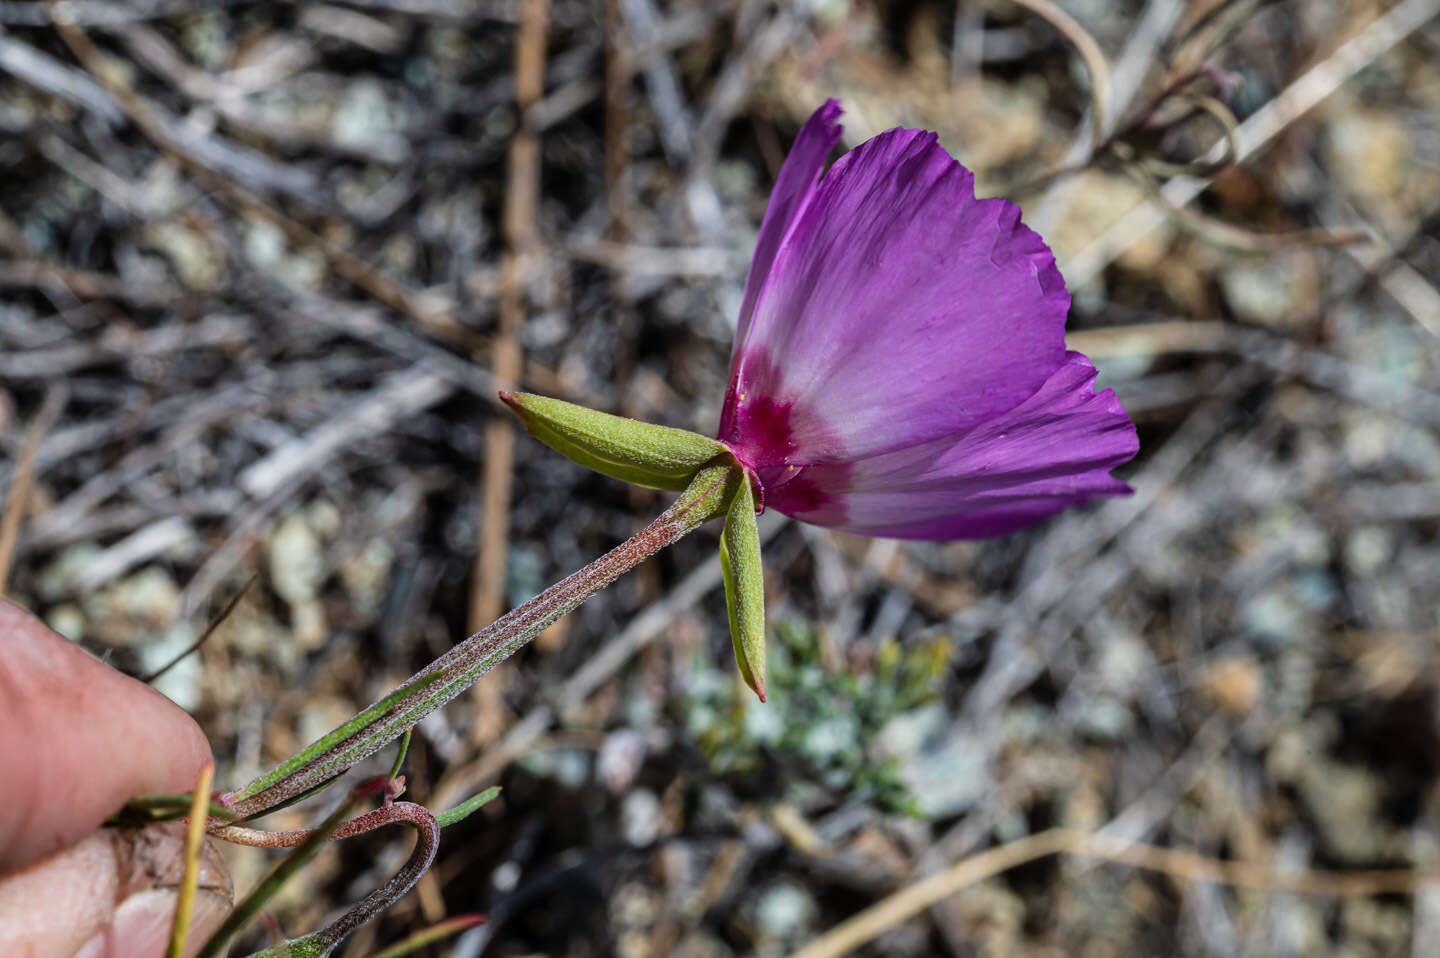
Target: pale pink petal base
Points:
(1054, 450)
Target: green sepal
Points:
(745, 587)
(312, 945)
(657, 457)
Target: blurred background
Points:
(264, 265)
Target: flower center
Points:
(760, 434)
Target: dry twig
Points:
(24, 476)
(1179, 864)
(1258, 130)
(437, 321)
(522, 201)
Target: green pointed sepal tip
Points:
(658, 457)
(745, 586)
(312, 945)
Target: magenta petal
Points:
(898, 309)
(1053, 450)
(792, 191)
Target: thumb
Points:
(118, 891)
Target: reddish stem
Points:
(459, 668)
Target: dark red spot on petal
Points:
(800, 495)
(762, 435)
(760, 431)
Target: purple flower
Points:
(900, 365)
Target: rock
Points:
(1371, 152)
(1260, 291)
(1344, 801)
(872, 855)
(1234, 684)
(266, 248)
(635, 906)
(992, 916)
(324, 518)
(640, 817)
(619, 759)
(1386, 926)
(366, 576)
(1096, 202)
(570, 767)
(197, 262)
(135, 609)
(183, 682)
(205, 36)
(1369, 550)
(297, 567)
(367, 119)
(308, 624)
(1104, 718)
(253, 631)
(1288, 530)
(68, 620)
(907, 732)
(785, 912)
(1275, 617)
(57, 580)
(1124, 663)
(264, 243)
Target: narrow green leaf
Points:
(295, 799)
(355, 728)
(428, 936)
(403, 751)
(149, 809)
(657, 457)
(466, 808)
(745, 587)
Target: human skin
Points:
(78, 739)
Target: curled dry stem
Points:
(1238, 238)
(1195, 104)
(1085, 44)
(427, 841)
(318, 944)
(250, 906)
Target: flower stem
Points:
(458, 669)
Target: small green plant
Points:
(823, 721)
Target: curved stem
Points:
(427, 840)
(456, 670)
(318, 944)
